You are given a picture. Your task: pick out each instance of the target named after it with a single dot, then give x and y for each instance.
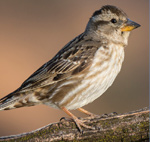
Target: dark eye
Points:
(113, 21)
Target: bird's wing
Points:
(57, 70)
(75, 57)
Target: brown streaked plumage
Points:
(81, 71)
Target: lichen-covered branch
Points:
(132, 126)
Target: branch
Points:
(132, 126)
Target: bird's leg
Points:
(78, 122)
(87, 112)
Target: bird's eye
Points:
(113, 21)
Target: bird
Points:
(82, 70)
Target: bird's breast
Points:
(105, 67)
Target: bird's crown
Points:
(106, 9)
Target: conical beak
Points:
(130, 25)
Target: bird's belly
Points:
(92, 88)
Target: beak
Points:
(130, 25)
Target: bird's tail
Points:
(8, 102)
(18, 99)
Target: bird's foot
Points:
(78, 122)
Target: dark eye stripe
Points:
(100, 23)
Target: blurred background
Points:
(33, 31)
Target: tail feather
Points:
(17, 99)
(8, 101)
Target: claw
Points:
(66, 119)
(80, 123)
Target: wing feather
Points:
(72, 59)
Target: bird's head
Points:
(112, 24)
